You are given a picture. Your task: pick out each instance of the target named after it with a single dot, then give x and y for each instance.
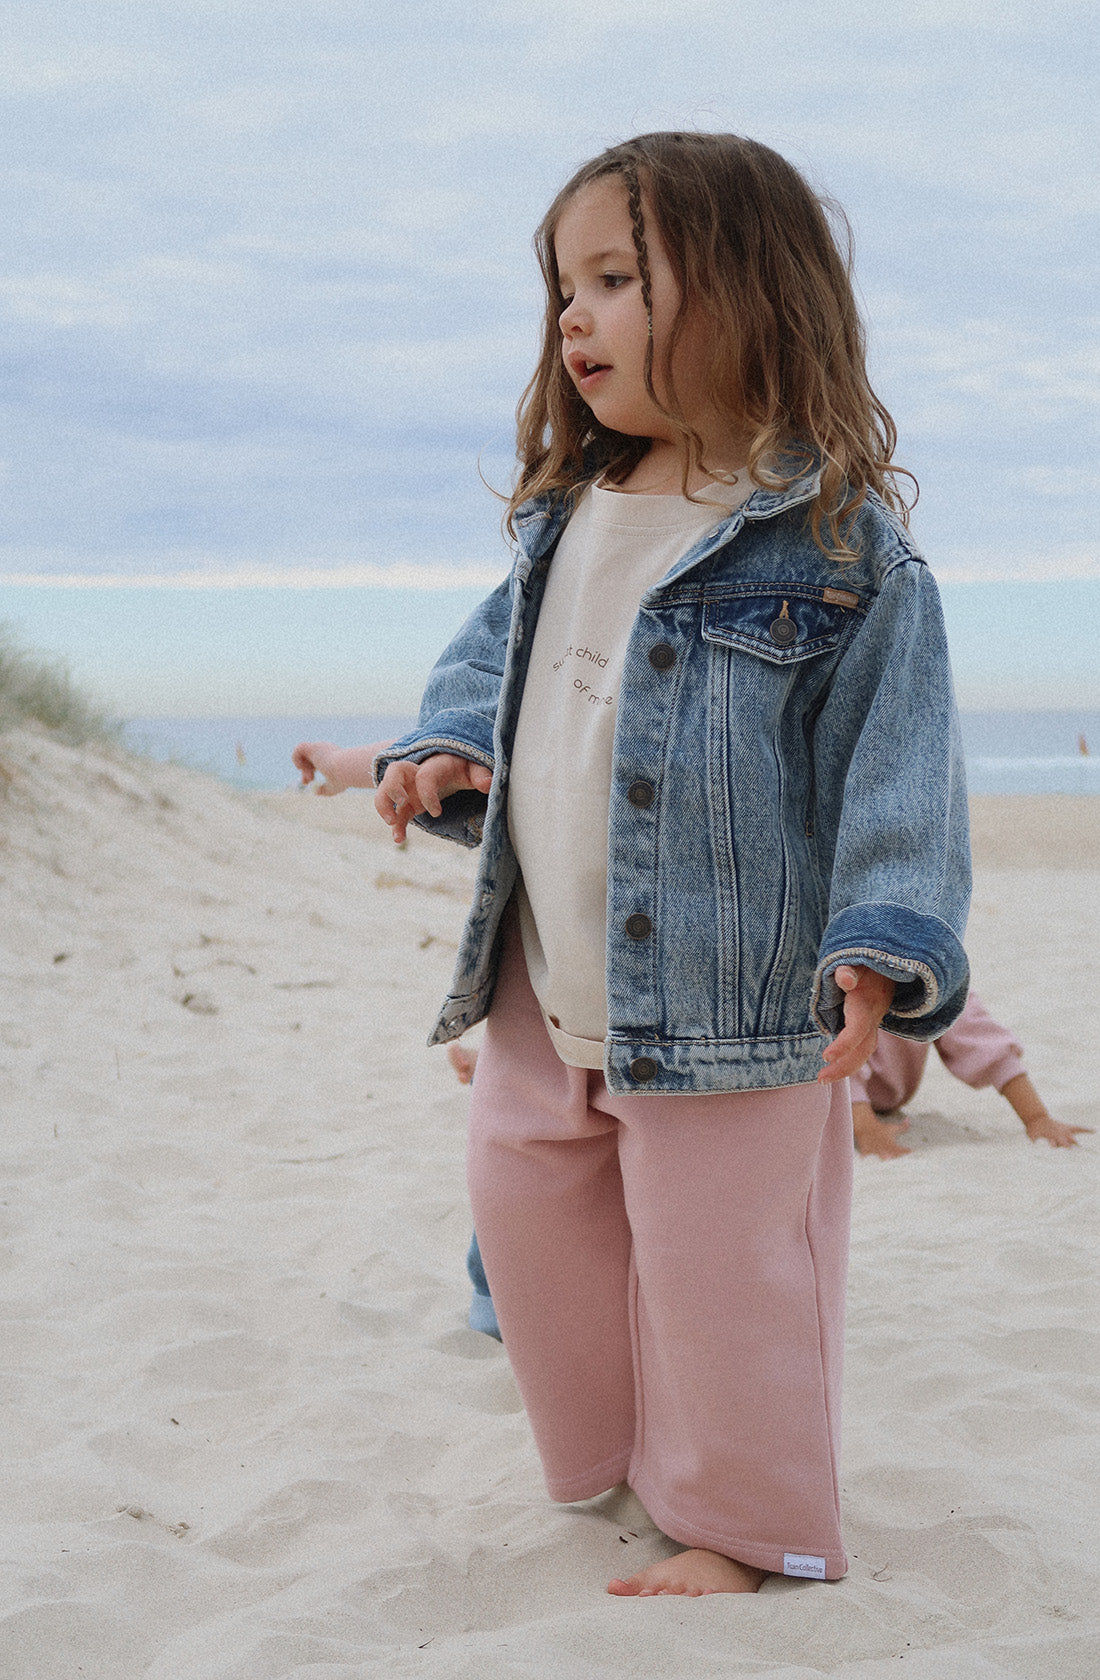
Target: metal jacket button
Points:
(639, 925)
(662, 656)
(643, 1069)
(640, 794)
(783, 630)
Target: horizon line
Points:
(438, 578)
(400, 576)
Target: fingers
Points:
(1056, 1132)
(396, 801)
(847, 1053)
(318, 758)
(436, 778)
(407, 790)
(867, 998)
(885, 1147)
(302, 759)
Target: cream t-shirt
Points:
(615, 547)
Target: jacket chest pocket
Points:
(782, 623)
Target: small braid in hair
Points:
(637, 228)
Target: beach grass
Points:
(37, 688)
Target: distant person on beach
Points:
(705, 737)
(977, 1050)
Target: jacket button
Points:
(640, 794)
(662, 656)
(643, 1069)
(783, 631)
(639, 925)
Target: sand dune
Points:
(247, 1435)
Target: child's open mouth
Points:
(586, 373)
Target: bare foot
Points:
(877, 1137)
(692, 1573)
(463, 1061)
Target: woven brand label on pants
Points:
(799, 1563)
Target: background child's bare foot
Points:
(691, 1573)
(463, 1061)
(877, 1137)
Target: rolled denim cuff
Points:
(920, 953)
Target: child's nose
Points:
(572, 318)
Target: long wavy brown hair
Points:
(754, 253)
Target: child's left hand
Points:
(868, 997)
(1056, 1132)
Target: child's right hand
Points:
(407, 790)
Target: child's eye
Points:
(612, 282)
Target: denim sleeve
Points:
(458, 713)
(900, 886)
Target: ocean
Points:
(1006, 752)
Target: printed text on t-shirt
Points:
(582, 687)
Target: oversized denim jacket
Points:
(794, 719)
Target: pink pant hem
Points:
(569, 1490)
(759, 1555)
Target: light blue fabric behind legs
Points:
(483, 1315)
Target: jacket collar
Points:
(540, 522)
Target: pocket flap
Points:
(782, 622)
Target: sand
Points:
(247, 1435)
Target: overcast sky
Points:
(268, 300)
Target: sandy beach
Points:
(247, 1434)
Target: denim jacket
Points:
(792, 720)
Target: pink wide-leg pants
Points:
(669, 1276)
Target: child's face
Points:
(604, 326)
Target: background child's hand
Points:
(407, 790)
(868, 997)
(1025, 1100)
(318, 758)
(1056, 1132)
(877, 1137)
(342, 767)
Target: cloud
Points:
(414, 576)
(269, 289)
(998, 362)
(958, 565)
(990, 565)
(36, 69)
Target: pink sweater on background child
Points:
(977, 1050)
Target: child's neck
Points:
(660, 472)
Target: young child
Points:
(704, 734)
(977, 1050)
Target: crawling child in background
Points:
(977, 1050)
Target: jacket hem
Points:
(695, 1067)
